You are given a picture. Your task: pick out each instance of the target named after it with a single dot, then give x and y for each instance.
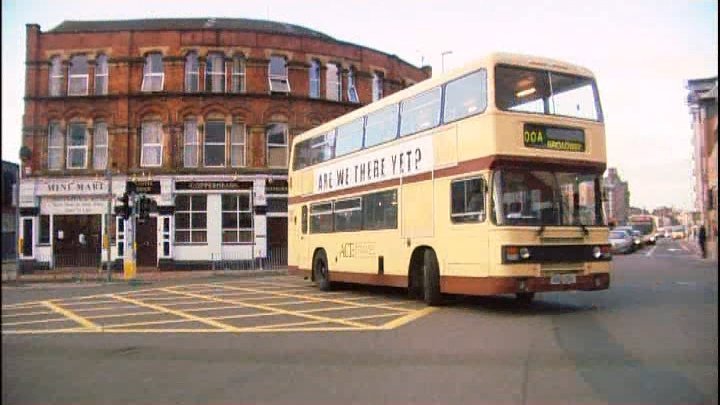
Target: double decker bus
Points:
(481, 181)
(646, 225)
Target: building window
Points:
(277, 145)
(467, 200)
(352, 90)
(153, 73)
(278, 75)
(77, 146)
(101, 75)
(215, 73)
(152, 144)
(237, 145)
(333, 80)
(238, 74)
(56, 77)
(56, 146)
(191, 219)
(100, 150)
(377, 86)
(44, 231)
(214, 152)
(277, 205)
(314, 79)
(191, 147)
(78, 79)
(192, 72)
(237, 218)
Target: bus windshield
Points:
(644, 228)
(544, 92)
(538, 197)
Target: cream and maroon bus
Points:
(484, 180)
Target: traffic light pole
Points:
(106, 240)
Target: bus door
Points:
(302, 250)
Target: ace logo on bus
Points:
(401, 160)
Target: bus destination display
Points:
(563, 139)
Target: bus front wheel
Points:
(524, 298)
(321, 274)
(431, 279)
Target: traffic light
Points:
(125, 207)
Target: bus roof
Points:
(492, 59)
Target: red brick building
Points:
(198, 114)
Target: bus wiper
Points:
(584, 229)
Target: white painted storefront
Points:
(47, 203)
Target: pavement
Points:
(652, 338)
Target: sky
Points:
(641, 51)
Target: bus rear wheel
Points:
(321, 274)
(431, 279)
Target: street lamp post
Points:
(442, 59)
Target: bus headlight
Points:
(524, 253)
(597, 252)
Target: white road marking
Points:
(648, 254)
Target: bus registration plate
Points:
(563, 279)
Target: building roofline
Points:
(272, 27)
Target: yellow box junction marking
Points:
(69, 314)
(175, 312)
(269, 297)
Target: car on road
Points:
(634, 234)
(621, 241)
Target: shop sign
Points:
(73, 206)
(72, 187)
(143, 187)
(212, 185)
(259, 197)
(277, 187)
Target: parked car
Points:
(621, 241)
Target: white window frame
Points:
(56, 75)
(242, 144)
(352, 93)
(237, 211)
(148, 73)
(187, 144)
(377, 86)
(75, 76)
(190, 227)
(333, 83)
(144, 145)
(102, 60)
(274, 77)
(100, 147)
(238, 76)
(58, 148)
(189, 72)
(210, 74)
(206, 143)
(269, 145)
(314, 89)
(71, 148)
